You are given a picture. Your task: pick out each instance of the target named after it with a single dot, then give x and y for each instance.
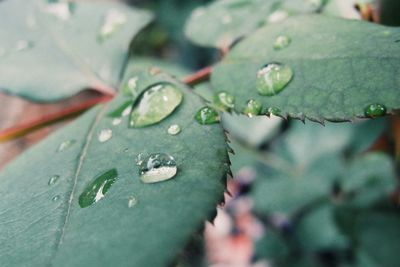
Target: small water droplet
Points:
(207, 115)
(96, 190)
(157, 167)
(253, 108)
(53, 179)
(273, 78)
(61, 10)
(282, 41)
(156, 103)
(23, 45)
(226, 19)
(174, 129)
(116, 121)
(55, 198)
(132, 201)
(274, 111)
(375, 110)
(65, 145)
(278, 16)
(130, 86)
(105, 135)
(112, 22)
(224, 101)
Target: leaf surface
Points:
(50, 51)
(340, 67)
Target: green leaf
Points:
(47, 57)
(318, 231)
(271, 246)
(340, 68)
(44, 225)
(223, 22)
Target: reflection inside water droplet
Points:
(156, 103)
(96, 190)
(105, 135)
(273, 78)
(53, 179)
(113, 21)
(65, 145)
(174, 129)
(157, 167)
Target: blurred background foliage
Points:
(302, 194)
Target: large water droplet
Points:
(375, 110)
(65, 145)
(53, 179)
(224, 101)
(113, 21)
(105, 135)
(23, 45)
(96, 190)
(174, 129)
(157, 103)
(207, 115)
(253, 108)
(282, 41)
(157, 167)
(273, 78)
(132, 201)
(60, 10)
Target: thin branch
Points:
(198, 76)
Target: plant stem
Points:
(198, 76)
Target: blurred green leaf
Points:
(271, 246)
(50, 51)
(340, 68)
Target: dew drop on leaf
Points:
(375, 110)
(130, 86)
(274, 111)
(157, 168)
(53, 179)
(55, 198)
(273, 78)
(105, 135)
(97, 189)
(282, 41)
(112, 22)
(65, 145)
(116, 121)
(174, 129)
(23, 45)
(207, 115)
(132, 201)
(253, 108)
(156, 103)
(224, 101)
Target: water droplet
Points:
(174, 129)
(130, 87)
(156, 103)
(274, 111)
(273, 78)
(53, 179)
(96, 190)
(55, 198)
(282, 41)
(105, 135)
(22, 45)
(132, 201)
(375, 110)
(278, 16)
(157, 167)
(116, 121)
(226, 19)
(61, 10)
(224, 101)
(65, 145)
(113, 21)
(207, 115)
(253, 108)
